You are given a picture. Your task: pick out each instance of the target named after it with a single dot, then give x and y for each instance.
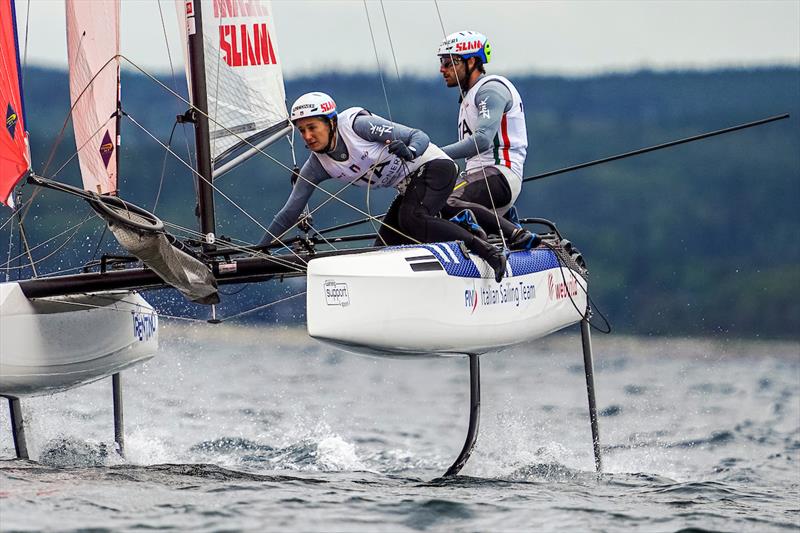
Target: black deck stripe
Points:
(420, 257)
(424, 267)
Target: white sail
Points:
(93, 40)
(244, 81)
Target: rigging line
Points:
(270, 304)
(232, 133)
(369, 215)
(60, 136)
(291, 146)
(99, 242)
(13, 213)
(24, 239)
(378, 61)
(216, 189)
(6, 266)
(246, 249)
(10, 245)
(172, 72)
(324, 239)
(391, 44)
(139, 307)
(369, 208)
(474, 140)
(164, 167)
(78, 151)
(293, 180)
(67, 241)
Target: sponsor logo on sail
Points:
(11, 120)
(336, 293)
(562, 288)
(145, 325)
(245, 45)
(238, 8)
(106, 149)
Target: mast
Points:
(197, 70)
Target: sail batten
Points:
(93, 38)
(14, 149)
(244, 83)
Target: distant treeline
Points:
(694, 240)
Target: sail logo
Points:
(238, 8)
(243, 45)
(145, 325)
(562, 289)
(336, 293)
(11, 120)
(106, 149)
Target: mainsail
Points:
(93, 45)
(14, 150)
(244, 82)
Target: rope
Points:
(172, 72)
(164, 167)
(74, 230)
(216, 189)
(391, 44)
(378, 61)
(585, 315)
(240, 138)
(138, 307)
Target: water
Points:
(263, 429)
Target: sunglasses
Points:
(448, 61)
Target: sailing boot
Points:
(466, 219)
(495, 257)
(522, 239)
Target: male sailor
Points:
(365, 150)
(492, 138)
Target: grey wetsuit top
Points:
(367, 126)
(498, 101)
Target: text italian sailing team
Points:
(358, 147)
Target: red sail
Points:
(14, 156)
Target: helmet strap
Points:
(468, 70)
(332, 122)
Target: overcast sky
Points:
(557, 37)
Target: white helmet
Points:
(466, 44)
(313, 105)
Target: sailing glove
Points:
(399, 148)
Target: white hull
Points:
(431, 300)
(53, 344)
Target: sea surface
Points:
(244, 428)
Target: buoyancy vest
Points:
(370, 163)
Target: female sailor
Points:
(366, 150)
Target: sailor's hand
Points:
(399, 148)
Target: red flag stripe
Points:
(506, 142)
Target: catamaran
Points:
(66, 330)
